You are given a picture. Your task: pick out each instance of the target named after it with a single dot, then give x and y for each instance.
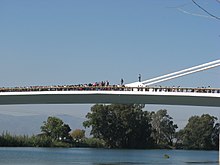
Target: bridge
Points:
(141, 92)
(112, 94)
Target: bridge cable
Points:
(183, 74)
(180, 73)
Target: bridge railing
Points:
(109, 88)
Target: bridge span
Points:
(137, 92)
(122, 95)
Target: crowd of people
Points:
(179, 89)
(97, 85)
(105, 86)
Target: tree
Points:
(120, 125)
(200, 132)
(78, 135)
(179, 139)
(164, 128)
(215, 136)
(55, 129)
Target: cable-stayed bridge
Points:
(141, 92)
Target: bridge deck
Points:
(124, 97)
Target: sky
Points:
(54, 42)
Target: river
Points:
(89, 156)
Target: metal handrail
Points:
(110, 88)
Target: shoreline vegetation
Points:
(123, 126)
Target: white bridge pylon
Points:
(177, 74)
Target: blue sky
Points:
(53, 42)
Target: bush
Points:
(94, 143)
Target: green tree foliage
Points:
(8, 140)
(78, 137)
(120, 126)
(94, 143)
(215, 136)
(163, 128)
(179, 139)
(123, 126)
(201, 133)
(78, 134)
(55, 129)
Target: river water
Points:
(89, 156)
